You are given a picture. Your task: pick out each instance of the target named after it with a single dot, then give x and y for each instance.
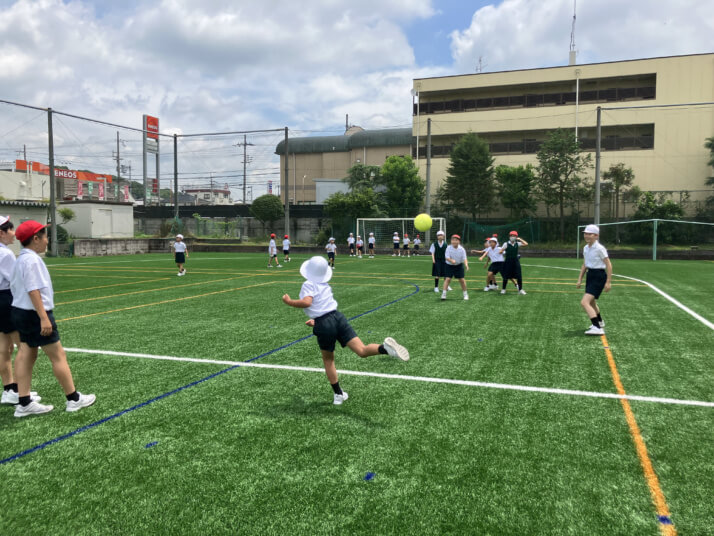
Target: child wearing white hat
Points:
(360, 246)
(370, 245)
(180, 254)
(331, 249)
(330, 326)
(596, 263)
(351, 244)
(395, 241)
(438, 258)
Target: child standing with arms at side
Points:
(360, 246)
(406, 244)
(456, 262)
(417, 243)
(370, 245)
(331, 248)
(395, 241)
(273, 252)
(438, 259)
(180, 254)
(351, 244)
(32, 305)
(286, 249)
(330, 326)
(599, 268)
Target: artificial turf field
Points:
(189, 446)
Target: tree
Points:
(560, 168)
(620, 179)
(360, 176)
(137, 189)
(67, 214)
(709, 204)
(469, 184)
(344, 208)
(267, 208)
(515, 187)
(404, 188)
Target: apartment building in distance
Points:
(515, 110)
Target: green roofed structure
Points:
(317, 164)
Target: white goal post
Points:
(384, 228)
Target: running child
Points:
(360, 246)
(395, 241)
(273, 252)
(456, 262)
(286, 249)
(599, 268)
(330, 326)
(417, 243)
(438, 259)
(370, 245)
(32, 305)
(406, 245)
(496, 258)
(9, 338)
(351, 244)
(331, 248)
(180, 254)
(511, 265)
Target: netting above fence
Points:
(475, 233)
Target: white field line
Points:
(167, 256)
(505, 386)
(679, 304)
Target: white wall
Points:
(20, 185)
(19, 213)
(324, 188)
(100, 220)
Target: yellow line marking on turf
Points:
(113, 285)
(174, 287)
(112, 276)
(658, 498)
(163, 302)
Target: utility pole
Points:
(428, 174)
(53, 200)
(245, 161)
(598, 141)
(287, 187)
(176, 192)
(118, 168)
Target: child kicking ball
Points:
(330, 326)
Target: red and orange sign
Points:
(42, 169)
(152, 126)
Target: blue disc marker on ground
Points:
(152, 444)
(480, 340)
(664, 520)
(369, 476)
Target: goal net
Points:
(384, 228)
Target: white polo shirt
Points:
(359, 243)
(417, 241)
(272, 248)
(457, 253)
(395, 239)
(494, 254)
(350, 240)
(30, 273)
(594, 256)
(7, 263)
(331, 248)
(286, 244)
(180, 247)
(406, 241)
(371, 240)
(322, 300)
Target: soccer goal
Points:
(675, 235)
(384, 228)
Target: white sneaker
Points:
(450, 288)
(13, 397)
(503, 291)
(83, 402)
(33, 408)
(270, 266)
(493, 287)
(486, 289)
(436, 289)
(592, 330)
(522, 292)
(602, 323)
(395, 349)
(280, 265)
(466, 295)
(179, 274)
(338, 399)
(443, 295)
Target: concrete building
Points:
(20, 211)
(318, 164)
(210, 196)
(515, 110)
(100, 220)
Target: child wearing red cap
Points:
(456, 261)
(286, 249)
(417, 243)
(32, 305)
(406, 242)
(273, 252)
(330, 326)
(511, 264)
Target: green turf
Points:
(264, 451)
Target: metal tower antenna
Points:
(573, 52)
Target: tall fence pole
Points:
(53, 194)
(428, 174)
(598, 141)
(287, 189)
(654, 240)
(176, 191)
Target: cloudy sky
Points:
(220, 65)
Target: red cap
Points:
(513, 233)
(286, 236)
(455, 236)
(28, 229)
(272, 235)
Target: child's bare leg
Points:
(361, 349)
(6, 348)
(447, 280)
(589, 305)
(328, 359)
(24, 363)
(462, 282)
(60, 367)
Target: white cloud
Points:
(519, 34)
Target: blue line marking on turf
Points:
(369, 476)
(73, 433)
(152, 444)
(664, 520)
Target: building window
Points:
(207, 196)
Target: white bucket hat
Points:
(179, 236)
(592, 229)
(442, 233)
(316, 270)
(4, 219)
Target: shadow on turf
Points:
(298, 407)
